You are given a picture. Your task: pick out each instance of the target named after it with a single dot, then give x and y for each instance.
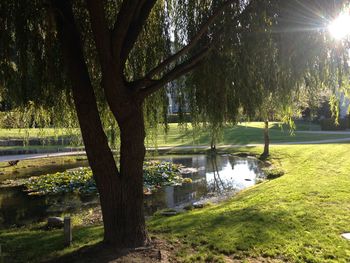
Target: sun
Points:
(339, 28)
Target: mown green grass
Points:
(241, 134)
(35, 167)
(186, 135)
(296, 218)
(49, 148)
(36, 133)
(33, 244)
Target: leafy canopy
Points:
(257, 47)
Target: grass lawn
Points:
(36, 167)
(245, 133)
(36, 133)
(296, 218)
(185, 135)
(33, 244)
(49, 148)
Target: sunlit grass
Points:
(186, 135)
(296, 218)
(245, 133)
(36, 133)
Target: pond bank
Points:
(213, 179)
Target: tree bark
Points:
(266, 139)
(131, 226)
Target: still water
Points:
(211, 176)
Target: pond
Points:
(212, 177)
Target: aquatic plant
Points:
(80, 180)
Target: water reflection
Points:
(214, 175)
(230, 173)
(17, 208)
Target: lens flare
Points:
(339, 28)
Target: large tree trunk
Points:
(121, 193)
(266, 139)
(131, 226)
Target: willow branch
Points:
(204, 28)
(175, 73)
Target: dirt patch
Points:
(159, 251)
(92, 216)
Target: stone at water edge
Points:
(346, 236)
(198, 205)
(267, 163)
(54, 222)
(169, 213)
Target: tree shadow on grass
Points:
(35, 244)
(229, 231)
(94, 253)
(101, 253)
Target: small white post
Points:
(67, 231)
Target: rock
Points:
(54, 222)
(243, 155)
(188, 207)
(168, 213)
(13, 163)
(267, 164)
(187, 170)
(198, 205)
(346, 236)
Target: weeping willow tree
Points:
(286, 52)
(260, 67)
(109, 62)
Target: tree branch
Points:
(135, 29)
(100, 31)
(125, 17)
(176, 72)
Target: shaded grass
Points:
(34, 244)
